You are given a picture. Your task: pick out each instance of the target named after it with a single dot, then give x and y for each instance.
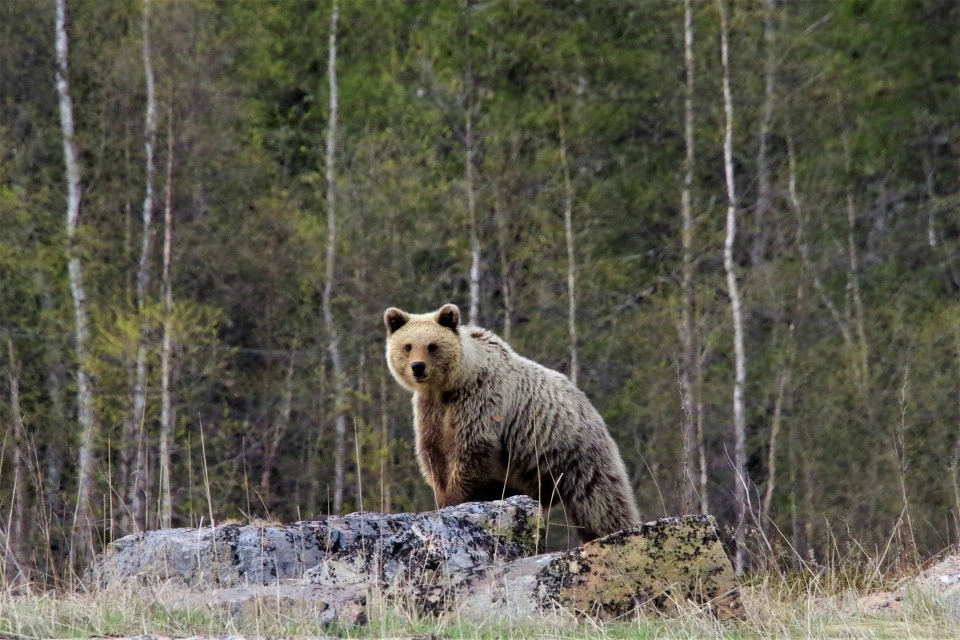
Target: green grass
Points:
(775, 608)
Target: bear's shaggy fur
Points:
(490, 423)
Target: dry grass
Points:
(777, 606)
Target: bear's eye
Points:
(407, 348)
(431, 348)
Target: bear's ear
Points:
(449, 316)
(394, 318)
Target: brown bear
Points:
(490, 423)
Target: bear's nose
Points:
(419, 369)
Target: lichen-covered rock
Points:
(234, 555)
(438, 548)
(224, 556)
(667, 563)
(663, 565)
(469, 559)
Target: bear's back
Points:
(533, 395)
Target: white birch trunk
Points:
(83, 525)
(568, 195)
(701, 441)
(688, 367)
(472, 213)
(134, 428)
(166, 353)
(470, 180)
(739, 420)
(505, 270)
(333, 336)
(930, 182)
(766, 123)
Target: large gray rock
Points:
(234, 555)
(477, 560)
(437, 548)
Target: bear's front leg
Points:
(441, 473)
(464, 482)
(449, 496)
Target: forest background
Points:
(245, 205)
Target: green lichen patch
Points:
(666, 565)
(521, 526)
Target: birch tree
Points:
(83, 526)
(506, 275)
(166, 353)
(333, 335)
(741, 481)
(764, 195)
(786, 367)
(568, 194)
(469, 181)
(689, 366)
(133, 450)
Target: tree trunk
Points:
(166, 353)
(783, 381)
(134, 442)
(83, 524)
(506, 289)
(688, 367)
(853, 276)
(766, 121)
(317, 501)
(701, 441)
(280, 427)
(474, 316)
(786, 369)
(386, 477)
(333, 335)
(55, 385)
(955, 457)
(16, 568)
(902, 459)
(739, 419)
(571, 262)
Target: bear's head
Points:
(424, 350)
